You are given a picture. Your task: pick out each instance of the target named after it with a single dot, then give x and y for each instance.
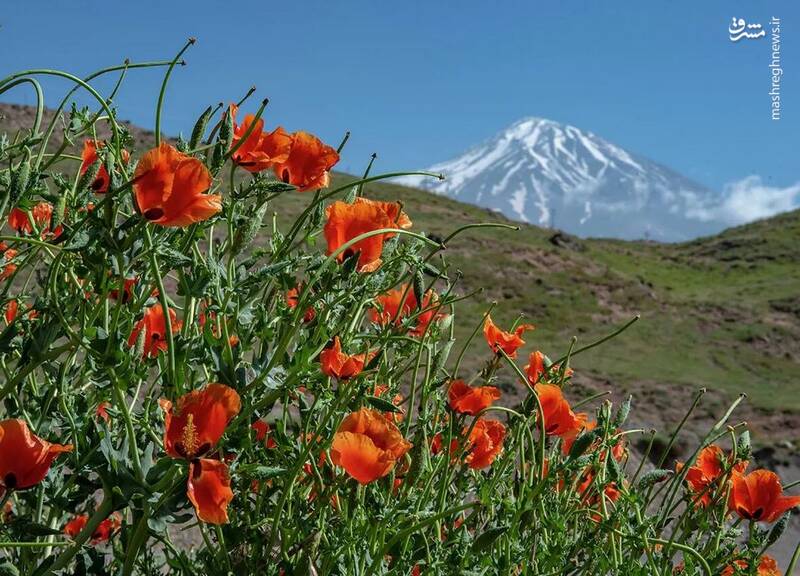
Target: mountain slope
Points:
(545, 173)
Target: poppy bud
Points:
(246, 234)
(581, 444)
(419, 287)
(622, 413)
(89, 176)
(653, 477)
(58, 212)
(778, 529)
(743, 448)
(226, 130)
(200, 128)
(19, 183)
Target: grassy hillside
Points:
(721, 312)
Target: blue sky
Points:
(420, 81)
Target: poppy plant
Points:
(346, 222)
(367, 445)
(767, 566)
(155, 330)
(485, 443)
(535, 368)
(559, 419)
(292, 298)
(7, 266)
(708, 469)
(261, 150)
(759, 496)
(170, 188)
(209, 490)
(25, 458)
(193, 427)
(262, 430)
(308, 163)
(399, 303)
(466, 399)
(508, 342)
(102, 533)
(89, 156)
(337, 364)
(42, 215)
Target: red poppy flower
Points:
(400, 303)
(199, 420)
(337, 364)
(468, 400)
(394, 210)
(508, 342)
(308, 164)
(12, 309)
(559, 419)
(292, 298)
(262, 430)
(42, 215)
(103, 531)
(766, 567)
(89, 156)
(127, 289)
(758, 496)
(535, 368)
(155, 330)
(209, 490)
(485, 442)
(170, 188)
(102, 411)
(6, 256)
(367, 445)
(24, 457)
(706, 472)
(436, 444)
(348, 221)
(261, 150)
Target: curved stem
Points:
(163, 90)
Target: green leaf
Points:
(382, 404)
(485, 540)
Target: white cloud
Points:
(749, 199)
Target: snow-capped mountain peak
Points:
(556, 175)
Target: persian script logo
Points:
(740, 29)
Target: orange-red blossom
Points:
(25, 458)
(466, 399)
(759, 496)
(766, 567)
(708, 469)
(170, 188)
(89, 156)
(103, 531)
(345, 222)
(261, 150)
(485, 443)
(192, 429)
(367, 445)
(508, 342)
(308, 163)
(155, 330)
(400, 303)
(337, 364)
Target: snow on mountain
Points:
(554, 175)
